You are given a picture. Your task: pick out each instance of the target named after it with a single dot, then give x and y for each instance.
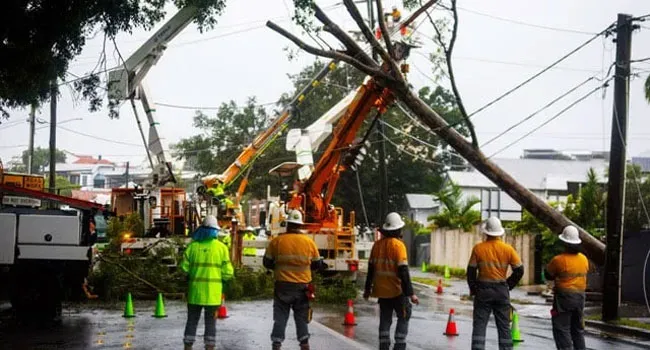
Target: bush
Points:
(334, 290)
(453, 271)
(249, 285)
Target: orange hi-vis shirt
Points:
(492, 259)
(387, 255)
(569, 272)
(293, 254)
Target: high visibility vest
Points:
(208, 264)
(569, 272)
(225, 240)
(249, 251)
(293, 254)
(216, 191)
(492, 259)
(387, 255)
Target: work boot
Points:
(276, 346)
(209, 347)
(187, 347)
(400, 346)
(304, 346)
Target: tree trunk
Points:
(594, 249)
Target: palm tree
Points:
(456, 212)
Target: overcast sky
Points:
(240, 58)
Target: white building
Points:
(550, 179)
(421, 206)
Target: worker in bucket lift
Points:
(207, 263)
(490, 287)
(292, 256)
(249, 235)
(388, 279)
(396, 14)
(569, 270)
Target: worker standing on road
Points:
(569, 270)
(292, 256)
(389, 280)
(491, 289)
(207, 263)
(249, 236)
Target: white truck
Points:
(45, 254)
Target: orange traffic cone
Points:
(223, 311)
(439, 290)
(451, 325)
(349, 315)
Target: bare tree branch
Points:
(448, 51)
(384, 30)
(342, 36)
(367, 33)
(372, 71)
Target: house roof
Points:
(535, 174)
(85, 159)
(421, 201)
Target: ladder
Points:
(344, 238)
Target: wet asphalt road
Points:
(96, 326)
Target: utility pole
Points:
(126, 175)
(53, 92)
(383, 179)
(32, 130)
(616, 183)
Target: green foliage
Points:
(637, 194)
(334, 290)
(40, 160)
(39, 39)
(456, 212)
(416, 227)
(453, 271)
(249, 285)
(118, 226)
(62, 186)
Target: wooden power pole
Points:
(52, 180)
(617, 163)
(32, 130)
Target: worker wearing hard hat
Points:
(249, 235)
(388, 280)
(292, 256)
(224, 237)
(207, 263)
(569, 270)
(396, 14)
(490, 287)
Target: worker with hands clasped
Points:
(207, 263)
(569, 270)
(389, 280)
(292, 256)
(249, 235)
(490, 287)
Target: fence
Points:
(453, 247)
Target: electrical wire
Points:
(605, 84)
(99, 137)
(537, 111)
(402, 149)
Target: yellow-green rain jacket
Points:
(208, 264)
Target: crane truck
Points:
(45, 254)
(163, 209)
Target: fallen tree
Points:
(389, 75)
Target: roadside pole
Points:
(54, 89)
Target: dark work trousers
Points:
(568, 322)
(193, 316)
(402, 307)
(491, 297)
(289, 296)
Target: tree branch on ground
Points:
(448, 51)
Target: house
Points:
(643, 161)
(421, 206)
(549, 179)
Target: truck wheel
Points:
(36, 293)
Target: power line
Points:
(537, 111)
(209, 107)
(99, 137)
(605, 84)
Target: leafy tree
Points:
(40, 160)
(587, 209)
(38, 39)
(62, 186)
(456, 212)
(637, 200)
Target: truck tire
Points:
(36, 292)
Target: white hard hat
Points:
(492, 227)
(393, 222)
(570, 235)
(295, 217)
(250, 229)
(211, 221)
